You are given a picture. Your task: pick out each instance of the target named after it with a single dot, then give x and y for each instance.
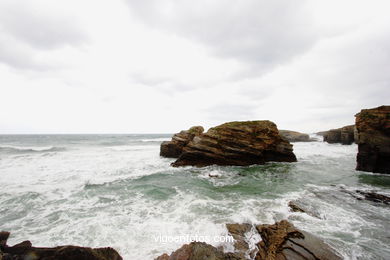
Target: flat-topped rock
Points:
(237, 143)
(373, 131)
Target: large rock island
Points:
(233, 143)
(373, 132)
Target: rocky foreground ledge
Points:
(25, 251)
(233, 143)
(279, 241)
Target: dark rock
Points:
(294, 207)
(237, 143)
(283, 241)
(174, 148)
(25, 250)
(199, 251)
(373, 131)
(375, 197)
(300, 206)
(344, 135)
(293, 136)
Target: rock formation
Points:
(293, 136)
(343, 135)
(235, 143)
(174, 148)
(373, 131)
(279, 241)
(283, 241)
(199, 251)
(25, 250)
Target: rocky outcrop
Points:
(199, 251)
(344, 135)
(25, 250)
(283, 241)
(279, 241)
(373, 131)
(174, 148)
(237, 143)
(293, 136)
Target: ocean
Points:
(115, 190)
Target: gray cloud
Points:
(25, 32)
(231, 112)
(263, 33)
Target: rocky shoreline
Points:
(25, 251)
(278, 241)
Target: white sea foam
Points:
(121, 195)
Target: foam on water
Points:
(116, 191)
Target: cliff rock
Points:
(343, 135)
(237, 143)
(373, 131)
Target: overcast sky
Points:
(159, 66)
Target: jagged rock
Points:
(199, 251)
(25, 250)
(238, 231)
(294, 207)
(344, 135)
(300, 206)
(283, 241)
(373, 131)
(293, 136)
(237, 143)
(279, 241)
(174, 148)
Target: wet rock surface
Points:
(174, 148)
(279, 241)
(373, 133)
(25, 251)
(237, 143)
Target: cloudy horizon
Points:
(133, 66)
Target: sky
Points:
(160, 66)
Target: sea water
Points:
(115, 190)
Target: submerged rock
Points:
(373, 131)
(25, 250)
(375, 197)
(278, 241)
(293, 136)
(343, 135)
(237, 143)
(174, 148)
